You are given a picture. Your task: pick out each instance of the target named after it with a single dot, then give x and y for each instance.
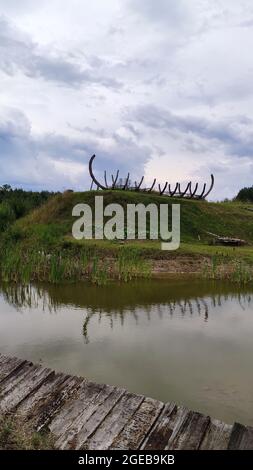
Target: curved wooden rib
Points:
(192, 193)
(114, 180)
(210, 189)
(152, 187)
(137, 187)
(171, 193)
(176, 192)
(126, 182)
(200, 196)
(184, 193)
(92, 174)
(164, 188)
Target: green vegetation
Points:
(54, 219)
(40, 246)
(15, 203)
(234, 269)
(20, 264)
(17, 435)
(245, 195)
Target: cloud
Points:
(169, 12)
(56, 161)
(28, 161)
(19, 53)
(17, 6)
(234, 134)
(159, 87)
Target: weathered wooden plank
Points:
(137, 428)
(189, 431)
(88, 393)
(13, 379)
(90, 418)
(31, 405)
(160, 434)
(4, 359)
(217, 436)
(241, 438)
(85, 415)
(15, 388)
(114, 422)
(40, 407)
(9, 365)
(68, 393)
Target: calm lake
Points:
(187, 341)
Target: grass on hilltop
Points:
(40, 245)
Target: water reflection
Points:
(186, 341)
(99, 306)
(199, 306)
(28, 296)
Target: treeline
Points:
(245, 195)
(15, 203)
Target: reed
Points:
(234, 270)
(25, 264)
(130, 264)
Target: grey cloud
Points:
(234, 134)
(246, 24)
(32, 160)
(87, 130)
(188, 60)
(18, 52)
(133, 130)
(19, 6)
(231, 178)
(116, 30)
(17, 151)
(170, 12)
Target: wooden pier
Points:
(85, 415)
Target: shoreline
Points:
(99, 270)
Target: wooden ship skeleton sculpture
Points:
(189, 191)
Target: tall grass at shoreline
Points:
(22, 264)
(224, 268)
(40, 245)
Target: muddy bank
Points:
(180, 265)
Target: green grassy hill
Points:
(197, 217)
(45, 235)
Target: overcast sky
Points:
(162, 88)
